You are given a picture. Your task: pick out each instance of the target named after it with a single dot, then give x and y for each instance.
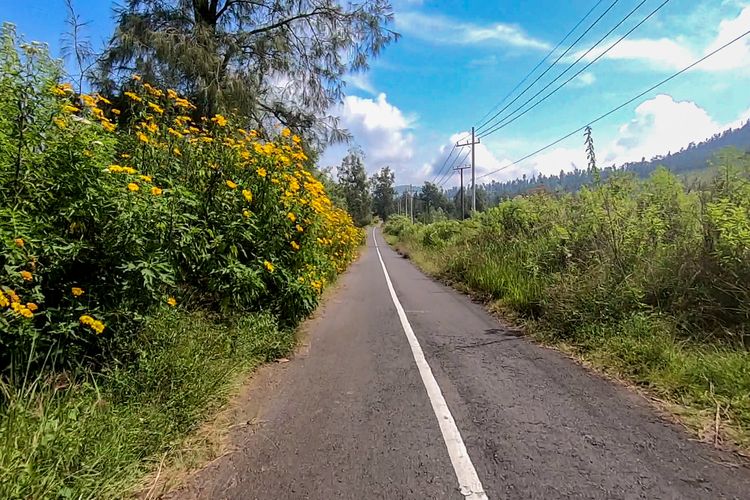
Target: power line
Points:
(510, 118)
(630, 101)
(448, 167)
(570, 47)
(444, 162)
(449, 173)
(452, 172)
(518, 85)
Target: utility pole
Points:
(411, 195)
(473, 142)
(461, 170)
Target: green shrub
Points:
(109, 211)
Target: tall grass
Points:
(95, 435)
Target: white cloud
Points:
(737, 55)
(362, 82)
(662, 52)
(585, 79)
(486, 161)
(676, 53)
(660, 125)
(444, 30)
(381, 129)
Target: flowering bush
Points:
(108, 210)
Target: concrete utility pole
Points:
(461, 170)
(473, 142)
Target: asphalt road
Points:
(356, 414)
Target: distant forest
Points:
(692, 158)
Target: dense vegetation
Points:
(646, 278)
(147, 253)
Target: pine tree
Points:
(274, 61)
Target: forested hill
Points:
(693, 158)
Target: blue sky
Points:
(457, 59)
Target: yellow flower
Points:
(62, 90)
(176, 151)
(26, 275)
(146, 178)
(295, 245)
(59, 122)
(262, 172)
(269, 266)
(142, 137)
(92, 323)
(184, 103)
(219, 120)
(156, 191)
(156, 108)
(153, 90)
(133, 187)
(14, 299)
(32, 307)
(246, 214)
(76, 291)
(248, 195)
(136, 78)
(299, 228)
(291, 217)
(296, 139)
(115, 111)
(109, 126)
(129, 170)
(19, 242)
(70, 109)
(150, 126)
(231, 185)
(286, 132)
(133, 96)
(175, 133)
(22, 310)
(171, 302)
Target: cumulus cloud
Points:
(661, 125)
(381, 129)
(444, 30)
(675, 53)
(447, 157)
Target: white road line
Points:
(468, 480)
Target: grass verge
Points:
(96, 435)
